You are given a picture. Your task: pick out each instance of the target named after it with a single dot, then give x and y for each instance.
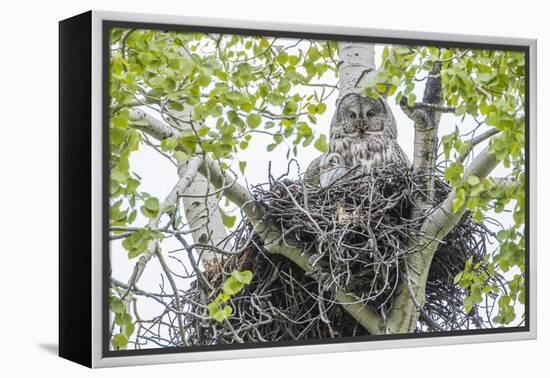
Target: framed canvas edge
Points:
(98, 360)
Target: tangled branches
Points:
(358, 232)
(359, 228)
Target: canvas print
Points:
(282, 189)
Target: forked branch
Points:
(404, 314)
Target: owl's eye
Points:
(352, 115)
(370, 114)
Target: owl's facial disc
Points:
(366, 116)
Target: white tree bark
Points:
(204, 218)
(356, 66)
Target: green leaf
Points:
(290, 107)
(151, 207)
(253, 120)
(454, 172)
(321, 108)
(119, 175)
(169, 84)
(242, 166)
(138, 241)
(472, 203)
(228, 310)
(176, 106)
(228, 220)
(186, 67)
(204, 80)
(168, 144)
(117, 135)
(222, 297)
(152, 204)
(203, 131)
(119, 341)
(521, 297)
(459, 200)
(468, 304)
(473, 180)
(231, 286)
(181, 157)
(293, 60)
(411, 99)
(117, 306)
(478, 216)
(284, 85)
(244, 277)
(476, 293)
(129, 329)
(282, 58)
(313, 54)
(213, 308)
(123, 318)
(458, 277)
(145, 58)
(121, 119)
(217, 313)
(321, 143)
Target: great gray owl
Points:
(363, 135)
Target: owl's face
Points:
(363, 116)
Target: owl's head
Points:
(357, 115)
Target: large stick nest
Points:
(359, 232)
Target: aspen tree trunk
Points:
(356, 66)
